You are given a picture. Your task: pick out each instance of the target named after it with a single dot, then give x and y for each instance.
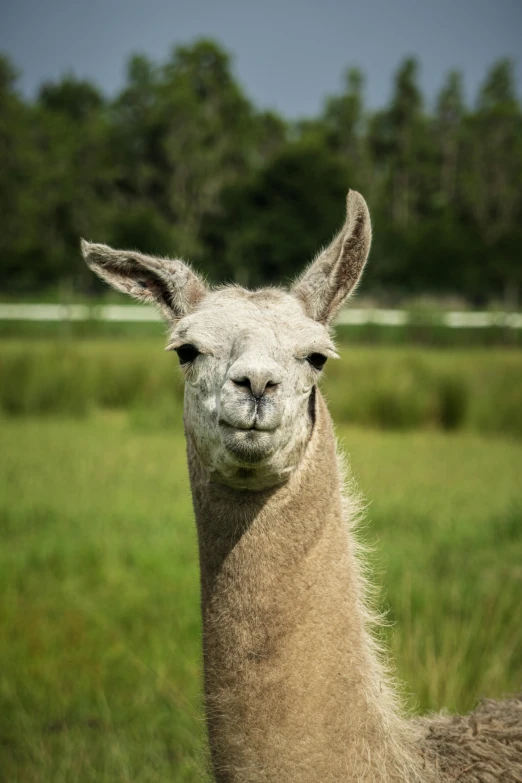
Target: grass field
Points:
(392, 388)
(99, 617)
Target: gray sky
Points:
(288, 54)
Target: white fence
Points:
(453, 319)
(351, 316)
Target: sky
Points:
(288, 54)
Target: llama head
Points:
(251, 359)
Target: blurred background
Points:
(229, 134)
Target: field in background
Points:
(392, 387)
(99, 614)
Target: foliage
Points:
(267, 226)
(181, 163)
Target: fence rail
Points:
(352, 316)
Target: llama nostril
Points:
(270, 385)
(243, 382)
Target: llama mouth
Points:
(255, 427)
(235, 427)
(247, 445)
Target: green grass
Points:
(411, 387)
(387, 387)
(99, 610)
(100, 622)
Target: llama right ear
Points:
(331, 277)
(169, 284)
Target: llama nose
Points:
(258, 380)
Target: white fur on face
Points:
(247, 392)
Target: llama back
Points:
(484, 746)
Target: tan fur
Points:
(294, 690)
(295, 687)
(482, 747)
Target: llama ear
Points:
(167, 283)
(331, 277)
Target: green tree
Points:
(494, 173)
(208, 137)
(182, 163)
(448, 128)
(78, 99)
(19, 202)
(495, 160)
(398, 141)
(74, 178)
(343, 117)
(136, 142)
(272, 225)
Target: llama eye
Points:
(187, 353)
(317, 360)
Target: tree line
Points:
(181, 163)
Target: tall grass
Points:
(390, 388)
(407, 388)
(72, 377)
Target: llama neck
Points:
(293, 687)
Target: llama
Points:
(294, 684)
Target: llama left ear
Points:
(330, 278)
(167, 283)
